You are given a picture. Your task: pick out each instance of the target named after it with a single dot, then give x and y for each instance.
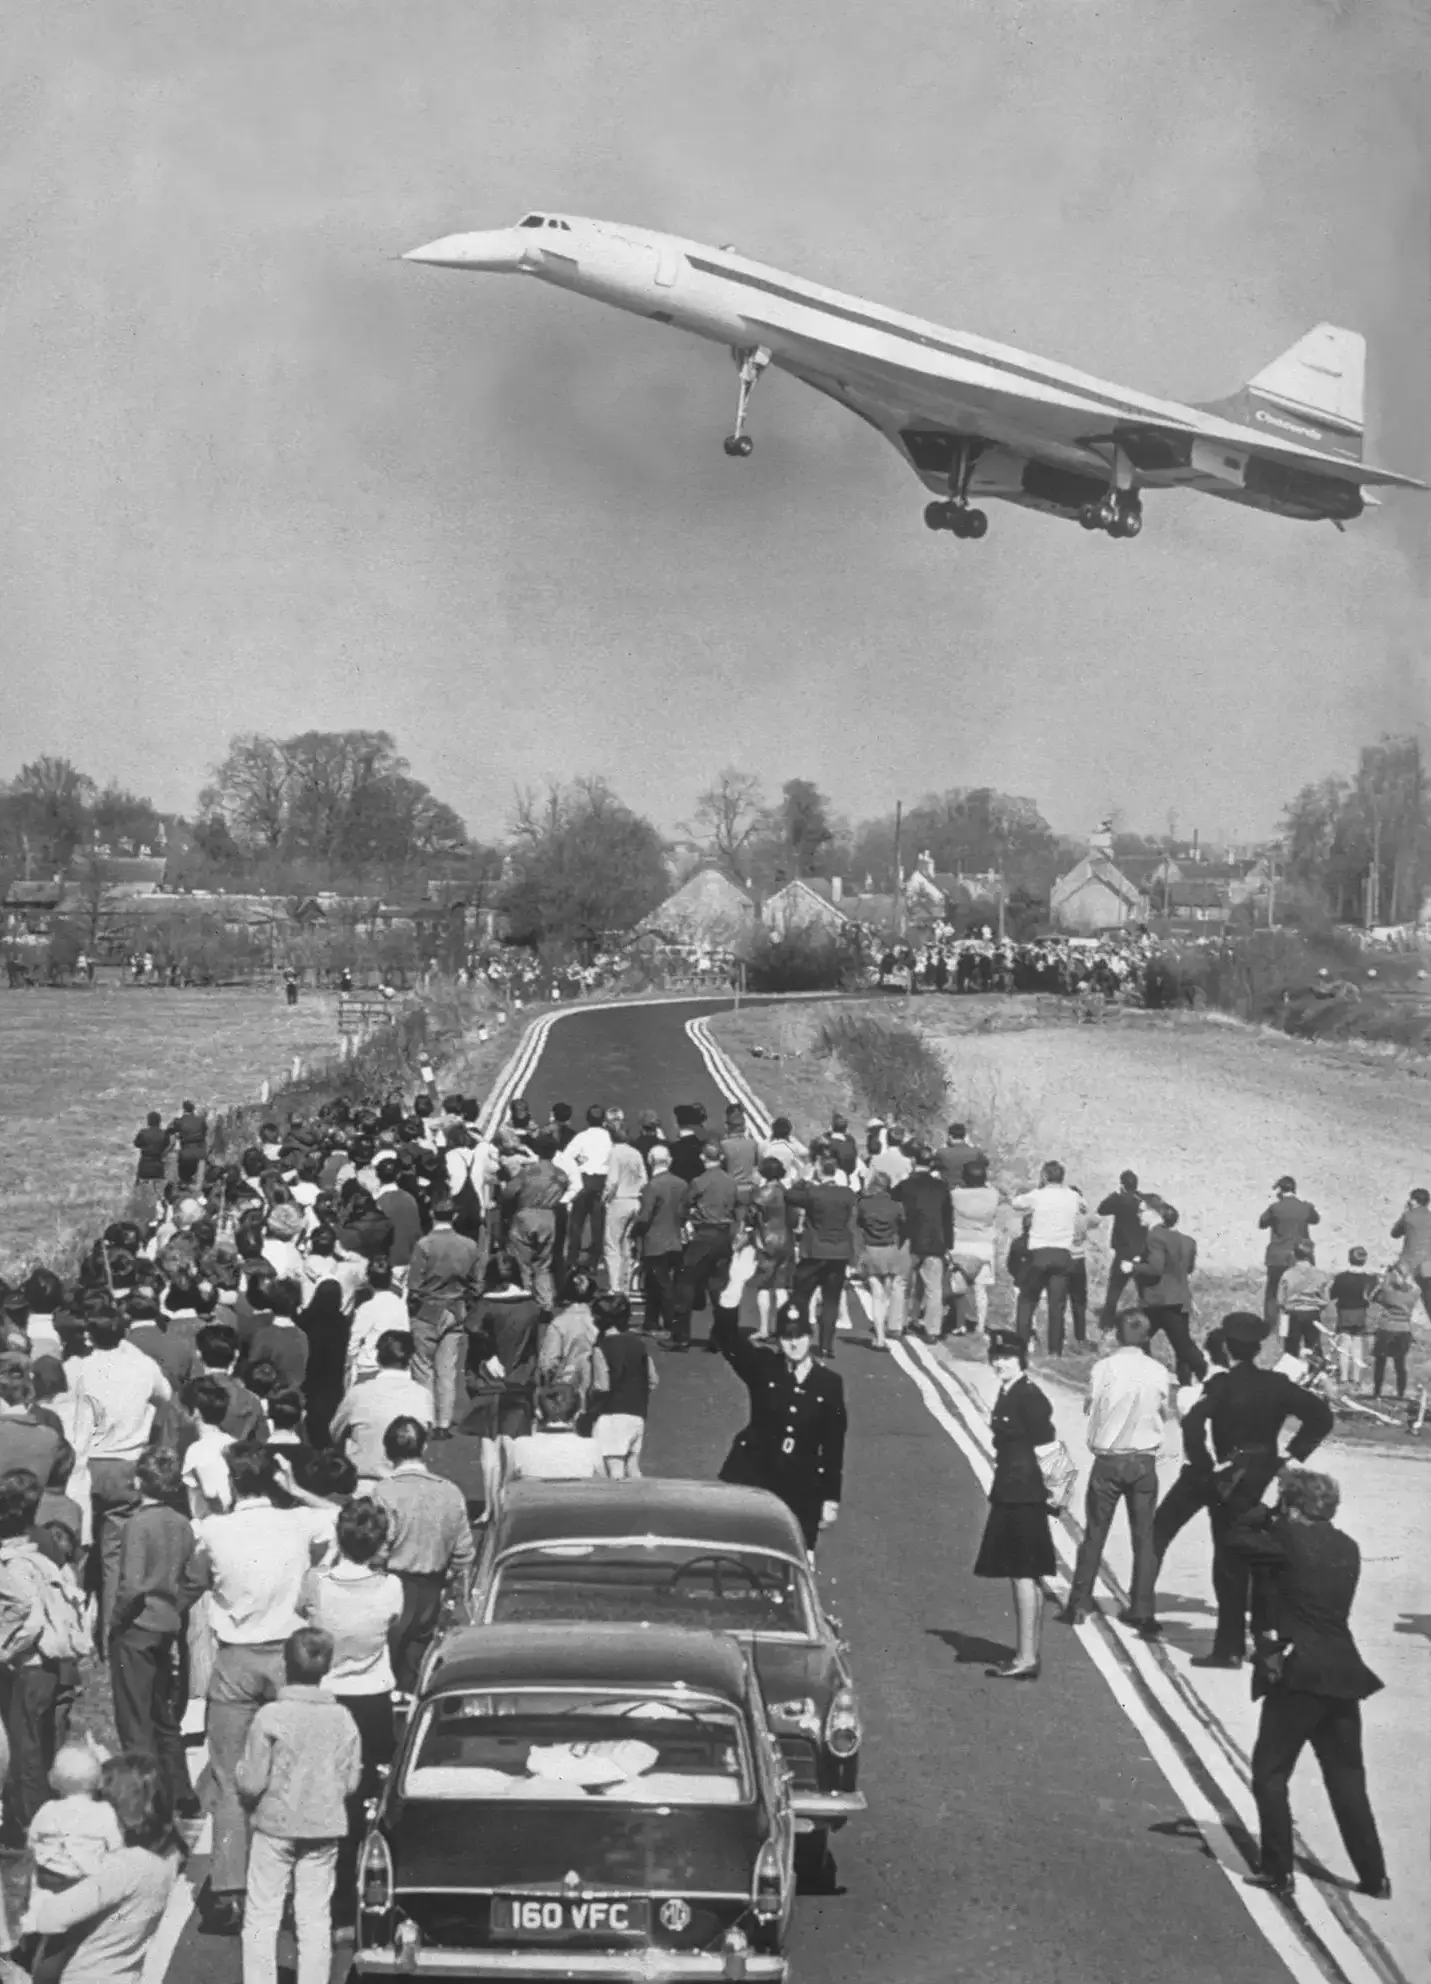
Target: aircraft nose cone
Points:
(494, 251)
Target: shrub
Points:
(799, 961)
(892, 1069)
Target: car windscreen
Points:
(562, 1745)
(660, 1584)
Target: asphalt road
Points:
(1016, 1834)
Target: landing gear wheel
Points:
(1090, 517)
(1131, 524)
(936, 515)
(738, 444)
(976, 523)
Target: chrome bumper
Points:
(825, 1807)
(633, 1967)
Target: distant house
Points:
(931, 895)
(709, 911)
(1095, 894)
(876, 914)
(1200, 899)
(28, 908)
(803, 905)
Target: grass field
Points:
(1207, 1112)
(79, 1069)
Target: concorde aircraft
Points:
(974, 419)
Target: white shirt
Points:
(284, 1258)
(206, 1474)
(260, 1556)
(891, 1166)
(976, 1219)
(382, 1311)
(115, 1393)
(589, 1151)
(625, 1173)
(1055, 1210)
(476, 1161)
(1128, 1401)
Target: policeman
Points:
(1244, 1408)
(794, 1442)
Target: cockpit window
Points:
(561, 224)
(533, 220)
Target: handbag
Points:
(1060, 1471)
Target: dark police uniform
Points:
(794, 1443)
(1244, 1409)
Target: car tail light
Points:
(769, 1883)
(375, 1874)
(843, 1731)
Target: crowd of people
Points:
(217, 1441)
(1115, 966)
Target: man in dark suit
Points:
(827, 1246)
(686, 1160)
(794, 1442)
(709, 1213)
(1310, 1678)
(1244, 1408)
(1287, 1220)
(1167, 1299)
(1128, 1242)
(656, 1231)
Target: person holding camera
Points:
(1308, 1675)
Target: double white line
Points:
(1190, 1749)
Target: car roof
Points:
(639, 1657)
(695, 1511)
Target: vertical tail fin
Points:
(1312, 393)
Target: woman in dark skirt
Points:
(327, 1330)
(1017, 1543)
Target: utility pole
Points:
(1272, 887)
(1001, 897)
(898, 868)
(1373, 880)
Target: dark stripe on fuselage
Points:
(923, 338)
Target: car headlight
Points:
(843, 1730)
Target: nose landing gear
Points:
(752, 361)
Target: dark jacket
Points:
(711, 1200)
(400, 1209)
(928, 1213)
(657, 1224)
(1309, 1573)
(1022, 1419)
(1288, 1220)
(829, 1210)
(1163, 1277)
(1246, 1407)
(686, 1160)
(808, 1418)
(1128, 1241)
(507, 1325)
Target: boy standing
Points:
(302, 1762)
(1351, 1291)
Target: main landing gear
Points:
(752, 361)
(955, 515)
(1120, 514)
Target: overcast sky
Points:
(257, 473)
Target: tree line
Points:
(342, 810)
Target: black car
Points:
(698, 1554)
(603, 1804)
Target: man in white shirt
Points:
(115, 1391)
(253, 1562)
(891, 1164)
(369, 1407)
(588, 1158)
(383, 1310)
(625, 1182)
(205, 1470)
(1129, 1400)
(1053, 1210)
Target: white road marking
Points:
(1311, 1941)
(1326, 1941)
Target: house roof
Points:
(874, 910)
(793, 891)
(1094, 868)
(33, 895)
(707, 908)
(1200, 894)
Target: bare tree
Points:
(250, 790)
(729, 816)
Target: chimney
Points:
(1196, 855)
(837, 885)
